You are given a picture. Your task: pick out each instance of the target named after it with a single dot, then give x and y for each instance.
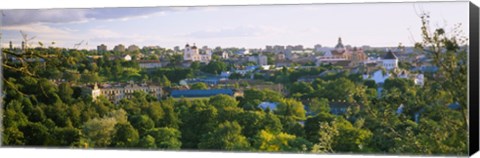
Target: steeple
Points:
(339, 44)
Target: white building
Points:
(419, 80)
(127, 57)
(115, 93)
(193, 54)
(390, 61)
(225, 55)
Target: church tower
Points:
(339, 47)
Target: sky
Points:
(373, 24)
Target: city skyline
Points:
(232, 26)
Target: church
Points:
(343, 56)
(192, 53)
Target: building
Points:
(200, 93)
(149, 64)
(343, 55)
(278, 49)
(261, 60)
(317, 48)
(119, 48)
(116, 92)
(225, 55)
(268, 49)
(176, 48)
(127, 57)
(194, 54)
(133, 48)
(101, 48)
(390, 61)
(243, 52)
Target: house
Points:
(127, 57)
(200, 93)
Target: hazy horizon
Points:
(373, 24)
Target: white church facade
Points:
(192, 53)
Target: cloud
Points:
(23, 17)
(241, 31)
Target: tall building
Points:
(133, 48)
(119, 48)
(10, 45)
(101, 48)
(317, 48)
(176, 48)
(262, 60)
(192, 53)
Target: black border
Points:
(473, 80)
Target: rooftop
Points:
(390, 55)
(200, 93)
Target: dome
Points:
(187, 45)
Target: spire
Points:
(339, 44)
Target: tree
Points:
(166, 138)
(35, 134)
(125, 136)
(312, 125)
(98, 132)
(197, 119)
(266, 141)
(165, 82)
(142, 123)
(350, 138)
(222, 101)
(328, 131)
(291, 108)
(67, 136)
(319, 106)
(449, 53)
(199, 85)
(170, 118)
(215, 67)
(227, 136)
(147, 142)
